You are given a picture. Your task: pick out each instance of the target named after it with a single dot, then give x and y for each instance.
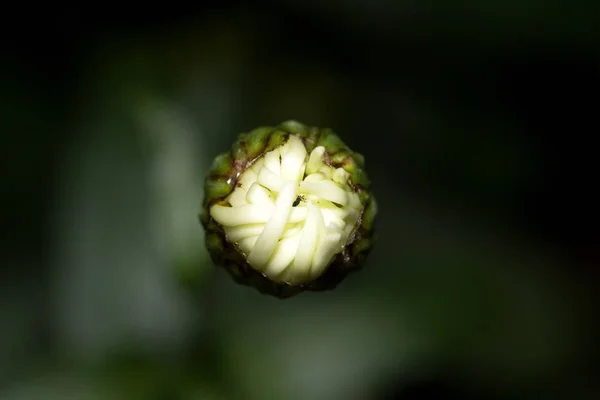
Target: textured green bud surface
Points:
(288, 209)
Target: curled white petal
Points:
(270, 180)
(246, 214)
(237, 233)
(315, 160)
(247, 244)
(331, 219)
(316, 177)
(268, 239)
(294, 159)
(247, 179)
(238, 197)
(328, 247)
(293, 229)
(257, 194)
(257, 165)
(308, 241)
(326, 189)
(327, 171)
(272, 162)
(282, 256)
(340, 176)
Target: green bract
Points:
(288, 209)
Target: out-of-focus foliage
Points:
(112, 295)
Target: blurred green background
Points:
(477, 124)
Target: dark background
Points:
(478, 125)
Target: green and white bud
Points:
(288, 209)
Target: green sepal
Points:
(359, 177)
(216, 187)
(359, 159)
(238, 150)
(277, 139)
(257, 140)
(221, 164)
(330, 141)
(340, 156)
(294, 127)
(368, 216)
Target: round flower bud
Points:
(288, 209)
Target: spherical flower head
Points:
(288, 209)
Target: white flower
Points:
(291, 213)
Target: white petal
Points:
(272, 162)
(291, 164)
(315, 161)
(327, 190)
(316, 177)
(340, 176)
(327, 171)
(247, 179)
(328, 247)
(282, 256)
(247, 244)
(237, 233)
(331, 219)
(298, 214)
(258, 195)
(270, 180)
(354, 201)
(308, 241)
(238, 197)
(246, 214)
(267, 241)
(292, 229)
(258, 164)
